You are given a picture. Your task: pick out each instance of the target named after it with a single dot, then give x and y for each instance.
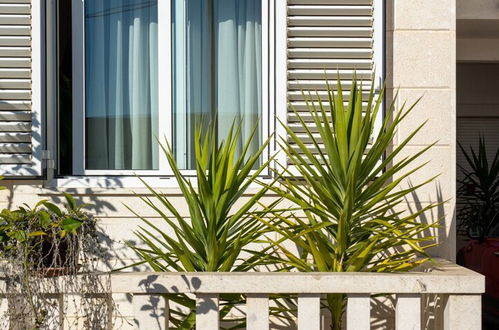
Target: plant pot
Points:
(56, 257)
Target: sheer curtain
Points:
(217, 68)
(121, 98)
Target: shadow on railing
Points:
(141, 303)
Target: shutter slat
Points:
(15, 41)
(15, 1)
(15, 138)
(15, 126)
(15, 95)
(14, 73)
(16, 159)
(15, 62)
(330, 21)
(15, 51)
(330, 53)
(329, 74)
(15, 116)
(15, 8)
(15, 83)
(330, 42)
(8, 30)
(325, 63)
(330, 2)
(316, 10)
(301, 107)
(330, 31)
(15, 148)
(297, 95)
(15, 19)
(319, 85)
(10, 105)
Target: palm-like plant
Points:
(348, 188)
(478, 192)
(216, 232)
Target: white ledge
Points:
(445, 278)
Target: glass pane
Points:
(121, 91)
(217, 67)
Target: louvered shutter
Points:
(20, 106)
(327, 37)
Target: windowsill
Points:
(111, 182)
(123, 184)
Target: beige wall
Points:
(420, 61)
(421, 57)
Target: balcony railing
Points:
(460, 291)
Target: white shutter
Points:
(327, 38)
(20, 80)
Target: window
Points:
(121, 85)
(217, 66)
(148, 69)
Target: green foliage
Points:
(47, 241)
(220, 223)
(478, 192)
(45, 222)
(354, 215)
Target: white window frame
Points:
(164, 74)
(161, 175)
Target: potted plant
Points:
(478, 192)
(478, 220)
(37, 246)
(46, 237)
(346, 181)
(220, 224)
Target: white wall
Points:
(421, 57)
(420, 61)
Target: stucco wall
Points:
(420, 61)
(421, 57)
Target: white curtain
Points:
(121, 98)
(217, 69)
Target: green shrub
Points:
(478, 193)
(45, 232)
(353, 215)
(221, 222)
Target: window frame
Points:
(165, 101)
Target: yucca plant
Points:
(216, 231)
(347, 184)
(478, 192)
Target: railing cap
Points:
(444, 278)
